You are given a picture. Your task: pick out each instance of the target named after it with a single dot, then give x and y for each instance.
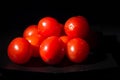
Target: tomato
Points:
(76, 26)
(78, 50)
(65, 40)
(30, 31)
(51, 50)
(62, 29)
(49, 26)
(19, 50)
(35, 41)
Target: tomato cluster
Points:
(51, 41)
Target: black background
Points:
(17, 15)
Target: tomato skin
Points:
(76, 26)
(35, 41)
(19, 50)
(31, 30)
(78, 50)
(51, 50)
(49, 26)
(65, 40)
(62, 29)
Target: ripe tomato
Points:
(35, 41)
(19, 50)
(76, 26)
(49, 26)
(30, 31)
(65, 40)
(51, 50)
(78, 50)
(62, 29)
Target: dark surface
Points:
(94, 62)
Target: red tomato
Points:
(19, 50)
(30, 31)
(78, 50)
(65, 40)
(62, 29)
(76, 26)
(35, 41)
(49, 26)
(51, 50)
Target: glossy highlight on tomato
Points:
(49, 26)
(76, 26)
(52, 50)
(78, 50)
(19, 50)
(31, 30)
